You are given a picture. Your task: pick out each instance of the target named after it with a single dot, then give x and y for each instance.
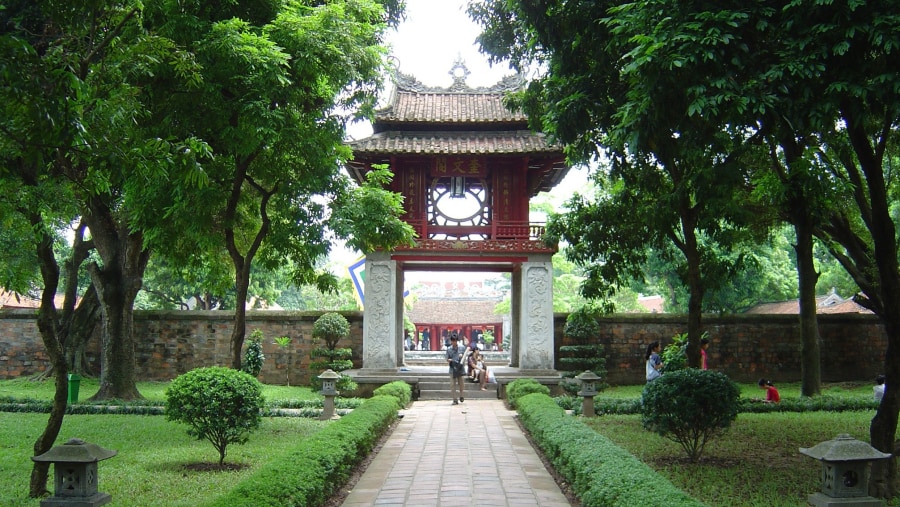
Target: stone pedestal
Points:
(823, 500)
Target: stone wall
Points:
(170, 343)
(747, 347)
(744, 347)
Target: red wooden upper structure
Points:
(466, 167)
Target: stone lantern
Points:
(329, 390)
(75, 474)
(588, 391)
(845, 472)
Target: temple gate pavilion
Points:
(467, 168)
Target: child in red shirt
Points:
(772, 395)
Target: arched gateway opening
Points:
(467, 168)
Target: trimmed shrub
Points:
(600, 472)
(690, 406)
(522, 387)
(312, 471)
(330, 328)
(218, 404)
(398, 389)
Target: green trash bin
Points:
(74, 385)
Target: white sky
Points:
(427, 44)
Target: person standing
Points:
(704, 344)
(879, 387)
(455, 358)
(654, 363)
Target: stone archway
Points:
(531, 344)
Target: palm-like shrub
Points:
(218, 404)
(253, 356)
(690, 406)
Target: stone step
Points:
(431, 391)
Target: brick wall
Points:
(747, 347)
(169, 343)
(744, 347)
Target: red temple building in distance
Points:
(466, 167)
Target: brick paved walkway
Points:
(471, 455)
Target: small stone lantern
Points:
(845, 472)
(329, 390)
(588, 391)
(75, 473)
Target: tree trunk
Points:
(117, 283)
(242, 286)
(883, 429)
(47, 326)
(695, 300)
(810, 357)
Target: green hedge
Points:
(523, 387)
(626, 406)
(312, 472)
(398, 389)
(601, 473)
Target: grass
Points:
(152, 391)
(150, 467)
(757, 461)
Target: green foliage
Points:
(690, 406)
(336, 360)
(674, 355)
(398, 389)
(253, 356)
(313, 469)
(522, 387)
(218, 404)
(582, 326)
(601, 473)
(331, 327)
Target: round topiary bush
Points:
(220, 405)
(690, 406)
(331, 327)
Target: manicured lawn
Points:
(152, 391)
(150, 468)
(757, 461)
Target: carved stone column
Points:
(535, 344)
(380, 321)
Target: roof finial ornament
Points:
(460, 72)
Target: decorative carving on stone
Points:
(537, 342)
(378, 309)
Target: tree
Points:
(219, 405)
(71, 136)
(671, 178)
(814, 85)
(276, 76)
(690, 406)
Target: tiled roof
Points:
(451, 143)
(824, 304)
(454, 311)
(448, 108)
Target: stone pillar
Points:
(535, 320)
(515, 311)
(380, 322)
